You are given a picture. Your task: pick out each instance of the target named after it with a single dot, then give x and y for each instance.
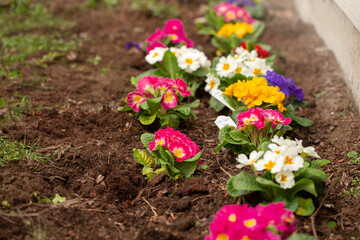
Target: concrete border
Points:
(339, 34)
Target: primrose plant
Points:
(287, 172)
(255, 128)
(230, 25)
(272, 221)
(168, 151)
(157, 97)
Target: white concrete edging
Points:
(339, 33)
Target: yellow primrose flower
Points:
(255, 92)
(226, 30)
(239, 29)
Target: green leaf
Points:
(289, 113)
(143, 157)
(203, 166)
(306, 207)
(315, 174)
(305, 122)
(186, 168)
(195, 103)
(124, 109)
(183, 109)
(351, 154)
(267, 182)
(201, 72)
(300, 236)
(259, 27)
(166, 157)
(147, 120)
(238, 135)
(303, 184)
(146, 138)
(291, 202)
(246, 181)
(171, 120)
(223, 132)
(222, 144)
(153, 105)
(216, 104)
(58, 199)
(193, 87)
(194, 158)
(170, 64)
(215, 62)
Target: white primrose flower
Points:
(155, 55)
(285, 179)
(189, 62)
(226, 67)
(212, 82)
(271, 161)
(204, 61)
(177, 51)
(282, 141)
(292, 161)
(257, 67)
(244, 160)
(242, 54)
(310, 151)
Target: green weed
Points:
(156, 8)
(95, 60)
(23, 15)
(354, 156)
(354, 190)
(17, 48)
(16, 151)
(15, 108)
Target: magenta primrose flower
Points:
(155, 45)
(233, 13)
(134, 100)
(240, 222)
(258, 117)
(169, 99)
(177, 143)
(175, 30)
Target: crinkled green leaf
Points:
(306, 207)
(303, 184)
(143, 157)
(267, 182)
(170, 64)
(246, 181)
(146, 138)
(238, 135)
(195, 103)
(319, 163)
(301, 236)
(216, 104)
(147, 120)
(183, 109)
(171, 120)
(201, 72)
(315, 174)
(305, 122)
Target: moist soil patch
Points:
(90, 142)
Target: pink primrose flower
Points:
(221, 8)
(181, 86)
(275, 117)
(251, 117)
(134, 100)
(233, 222)
(156, 36)
(189, 43)
(146, 85)
(180, 150)
(177, 37)
(173, 26)
(169, 99)
(155, 45)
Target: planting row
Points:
(262, 102)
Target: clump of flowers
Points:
(233, 13)
(174, 152)
(286, 86)
(287, 172)
(256, 92)
(234, 222)
(253, 128)
(157, 97)
(188, 59)
(238, 29)
(173, 33)
(249, 46)
(183, 62)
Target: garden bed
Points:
(90, 143)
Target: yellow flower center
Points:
(222, 236)
(155, 55)
(257, 71)
(178, 153)
(168, 97)
(277, 152)
(269, 165)
(226, 66)
(189, 61)
(160, 142)
(283, 178)
(245, 238)
(250, 223)
(232, 217)
(238, 70)
(288, 160)
(174, 37)
(137, 99)
(212, 84)
(231, 15)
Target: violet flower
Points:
(130, 44)
(286, 85)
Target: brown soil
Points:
(93, 167)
